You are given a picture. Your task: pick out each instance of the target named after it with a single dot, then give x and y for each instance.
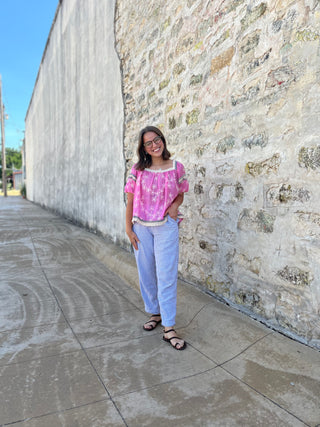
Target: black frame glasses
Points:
(157, 140)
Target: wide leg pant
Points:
(157, 261)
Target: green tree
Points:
(13, 160)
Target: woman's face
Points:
(153, 144)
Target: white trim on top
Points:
(173, 167)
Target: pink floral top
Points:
(154, 191)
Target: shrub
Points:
(23, 191)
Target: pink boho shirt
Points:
(154, 191)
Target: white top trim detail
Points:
(174, 167)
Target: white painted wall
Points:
(74, 125)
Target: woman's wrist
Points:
(175, 206)
(178, 200)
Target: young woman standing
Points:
(155, 189)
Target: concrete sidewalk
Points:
(73, 351)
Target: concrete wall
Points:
(235, 87)
(74, 126)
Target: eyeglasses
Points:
(157, 140)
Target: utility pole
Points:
(4, 179)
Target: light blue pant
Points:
(157, 261)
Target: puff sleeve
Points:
(131, 181)
(182, 179)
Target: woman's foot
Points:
(172, 338)
(152, 323)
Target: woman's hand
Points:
(173, 208)
(130, 233)
(133, 238)
(172, 211)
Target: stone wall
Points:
(74, 125)
(235, 87)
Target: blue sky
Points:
(24, 29)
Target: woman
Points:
(155, 189)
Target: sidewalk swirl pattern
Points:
(73, 351)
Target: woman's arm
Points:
(174, 207)
(131, 234)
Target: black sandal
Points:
(168, 340)
(152, 321)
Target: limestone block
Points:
(207, 212)
(268, 166)
(222, 60)
(225, 36)
(206, 246)
(185, 44)
(178, 69)
(227, 193)
(200, 170)
(296, 276)
(196, 79)
(172, 123)
(224, 169)
(250, 42)
(166, 24)
(309, 157)
(259, 140)
(282, 76)
(226, 144)
(151, 93)
(233, 5)
(257, 62)
(164, 84)
(211, 110)
(246, 95)
(218, 287)
(204, 27)
(185, 100)
(276, 25)
(307, 224)
(258, 221)
(287, 194)
(195, 272)
(246, 263)
(248, 298)
(307, 35)
(252, 15)
(177, 28)
(293, 310)
(193, 116)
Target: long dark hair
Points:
(145, 159)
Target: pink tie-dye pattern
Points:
(154, 191)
